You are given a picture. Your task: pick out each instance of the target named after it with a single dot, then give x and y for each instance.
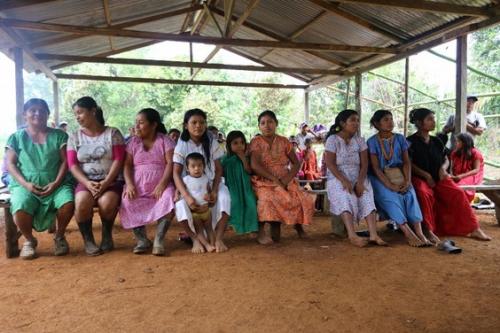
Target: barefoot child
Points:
(236, 167)
(349, 190)
(198, 187)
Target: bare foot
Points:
(433, 239)
(197, 247)
(414, 241)
(378, 241)
(264, 239)
(424, 240)
(220, 246)
(210, 248)
(480, 235)
(358, 241)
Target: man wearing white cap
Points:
(475, 121)
(305, 133)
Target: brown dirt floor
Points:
(318, 285)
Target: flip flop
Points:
(449, 247)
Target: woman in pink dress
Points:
(467, 164)
(149, 191)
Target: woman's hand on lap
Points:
(158, 191)
(33, 188)
(130, 192)
(48, 189)
(359, 189)
(346, 185)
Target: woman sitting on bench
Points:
(467, 164)
(40, 187)
(444, 205)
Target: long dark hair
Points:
(418, 115)
(89, 103)
(467, 145)
(340, 118)
(205, 139)
(233, 135)
(377, 117)
(153, 116)
(36, 101)
(268, 113)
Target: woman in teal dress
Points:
(41, 188)
(390, 177)
(236, 169)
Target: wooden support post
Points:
(357, 94)
(306, 106)
(407, 81)
(191, 57)
(18, 61)
(55, 92)
(461, 85)
(348, 92)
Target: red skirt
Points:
(445, 208)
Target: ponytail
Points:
(340, 118)
(89, 103)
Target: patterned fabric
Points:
(290, 206)
(149, 166)
(348, 162)
(95, 153)
(310, 165)
(39, 164)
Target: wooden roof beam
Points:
(300, 30)
(274, 35)
(187, 64)
(429, 6)
(184, 82)
(89, 31)
(18, 40)
(450, 35)
(108, 53)
(228, 13)
(335, 9)
(230, 34)
(123, 25)
(107, 16)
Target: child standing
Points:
(198, 186)
(236, 168)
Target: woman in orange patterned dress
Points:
(279, 197)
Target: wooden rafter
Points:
(188, 19)
(228, 13)
(168, 63)
(185, 82)
(108, 53)
(275, 36)
(89, 31)
(107, 16)
(230, 34)
(335, 9)
(441, 39)
(264, 63)
(429, 6)
(123, 25)
(300, 30)
(19, 41)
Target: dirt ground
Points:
(318, 285)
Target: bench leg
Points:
(11, 235)
(494, 196)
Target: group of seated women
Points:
(252, 187)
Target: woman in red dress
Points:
(444, 205)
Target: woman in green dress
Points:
(236, 167)
(41, 187)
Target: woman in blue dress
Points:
(390, 176)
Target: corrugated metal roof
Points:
(280, 18)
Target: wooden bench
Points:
(11, 233)
(491, 190)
